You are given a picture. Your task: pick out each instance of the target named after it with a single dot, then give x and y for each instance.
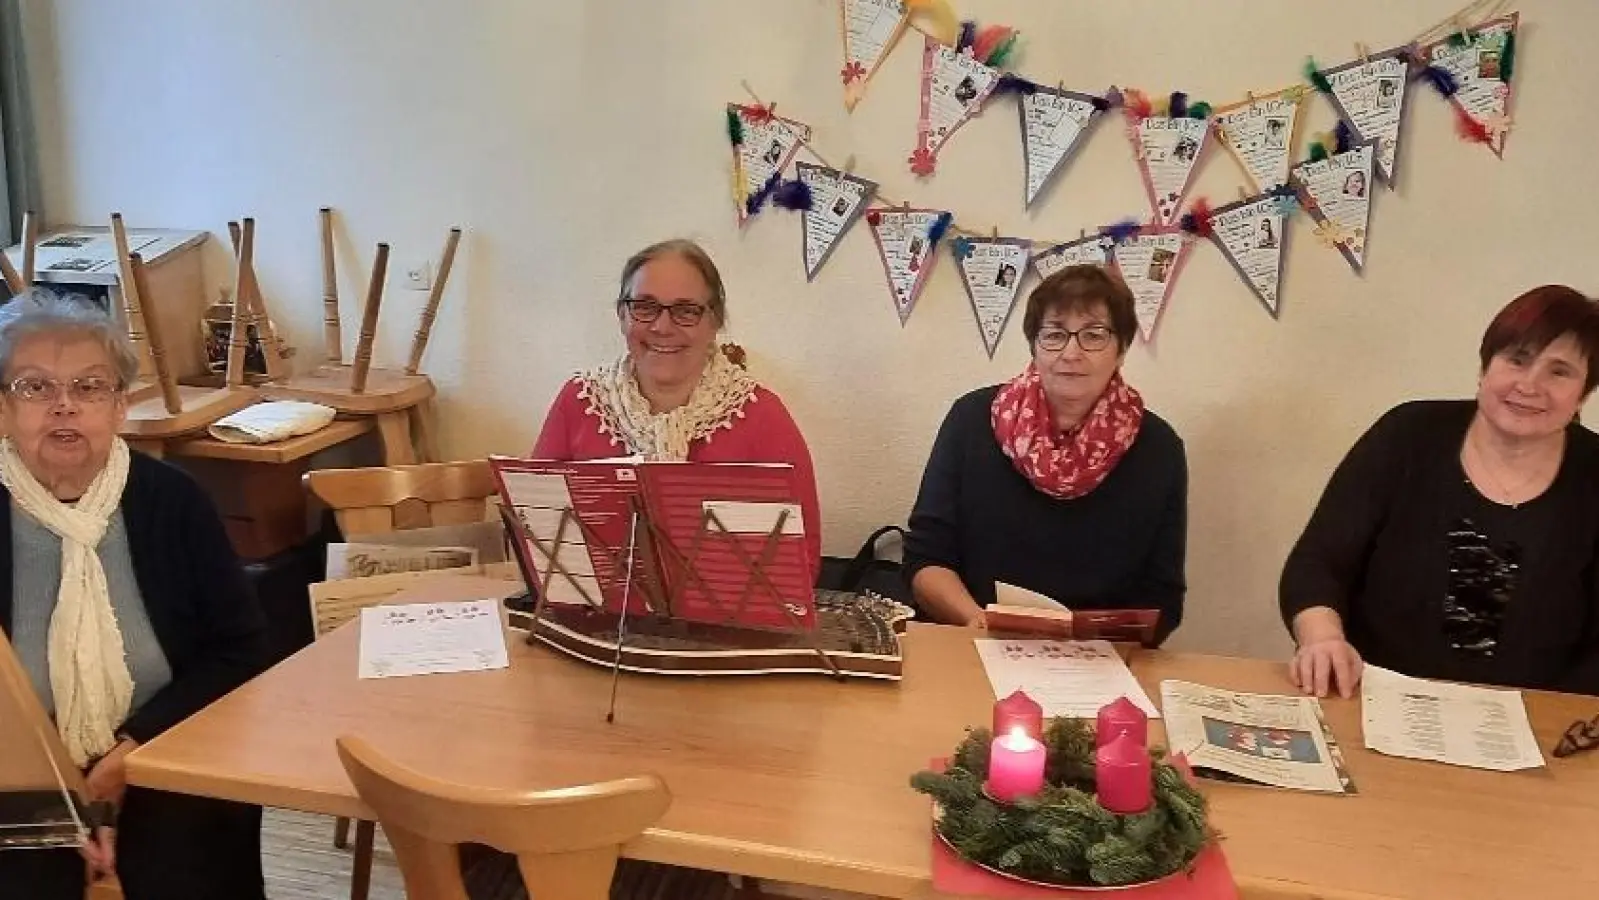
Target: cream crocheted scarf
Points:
(614, 397)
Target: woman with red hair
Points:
(1459, 539)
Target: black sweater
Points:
(1120, 546)
(1434, 580)
(205, 617)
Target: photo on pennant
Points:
(765, 145)
(1054, 123)
(1369, 95)
(991, 270)
(1261, 133)
(870, 29)
(1085, 251)
(1150, 263)
(954, 88)
(1168, 152)
(1481, 67)
(1252, 235)
(838, 200)
(1337, 193)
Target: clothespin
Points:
(904, 206)
(1242, 194)
(849, 164)
(1082, 233)
(1250, 96)
(1362, 51)
(993, 232)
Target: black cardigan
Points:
(1120, 546)
(1377, 550)
(205, 616)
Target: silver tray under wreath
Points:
(856, 635)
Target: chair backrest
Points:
(566, 841)
(381, 499)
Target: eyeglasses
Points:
(91, 389)
(1580, 737)
(645, 310)
(1092, 338)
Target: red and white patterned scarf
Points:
(1072, 464)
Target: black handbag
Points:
(867, 571)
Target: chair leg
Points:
(361, 872)
(341, 833)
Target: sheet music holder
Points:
(42, 794)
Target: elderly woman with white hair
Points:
(124, 602)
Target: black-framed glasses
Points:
(89, 389)
(645, 310)
(1092, 338)
(1580, 737)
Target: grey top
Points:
(35, 581)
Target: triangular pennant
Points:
(992, 270)
(1337, 193)
(954, 86)
(1086, 251)
(906, 251)
(837, 200)
(870, 28)
(1370, 96)
(1253, 234)
(1053, 124)
(763, 147)
(1149, 263)
(1482, 75)
(1168, 149)
(1261, 134)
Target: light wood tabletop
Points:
(804, 779)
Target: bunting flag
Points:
(837, 201)
(954, 87)
(1337, 193)
(905, 242)
(1253, 234)
(1481, 61)
(1149, 263)
(1168, 149)
(1370, 97)
(1086, 251)
(763, 146)
(1053, 123)
(992, 270)
(1261, 133)
(871, 28)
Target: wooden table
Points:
(803, 779)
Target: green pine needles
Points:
(1063, 836)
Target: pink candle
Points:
(1015, 767)
(1019, 711)
(1121, 716)
(1123, 776)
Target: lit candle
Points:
(1015, 767)
(1124, 776)
(1121, 716)
(1019, 711)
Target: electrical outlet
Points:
(419, 275)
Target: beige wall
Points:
(564, 135)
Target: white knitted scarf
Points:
(614, 397)
(88, 673)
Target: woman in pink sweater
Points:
(675, 395)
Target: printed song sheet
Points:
(1449, 723)
(1267, 739)
(431, 638)
(1069, 679)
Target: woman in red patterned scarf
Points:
(1059, 480)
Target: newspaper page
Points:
(1266, 739)
(1449, 723)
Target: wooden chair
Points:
(379, 500)
(566, 841)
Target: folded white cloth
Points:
(279, 420)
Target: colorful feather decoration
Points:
(968, 35)
(937, 229)
(1200, 110)
(1198, 220)
(1137, 103)
(735, 128)
(1470, 129)
(961, 247)
(1507, 57)
(1178, 107)
(1014, 84)
(1318, 151)
(753, 204)
(1002, 54)
(1442, 80)
(1460, 40)
(793, 194)
(1122, 231)
(989, 41)
(1103, 103)
(1316, 79)
(942, 24)
(1343, 137)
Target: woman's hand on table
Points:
(1326, 665)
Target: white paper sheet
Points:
(1069, 679)
(1087, 251)
(1483, 728)
(1011, 595)
(431, 638)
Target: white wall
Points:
(562, 136)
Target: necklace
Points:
(1481, 465)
